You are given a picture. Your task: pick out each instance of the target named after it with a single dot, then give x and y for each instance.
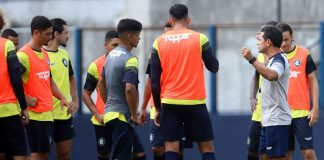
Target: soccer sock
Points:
(160, 157)
(208, 156)
(171, 155)
(140, 158)
(253, 157)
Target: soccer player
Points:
(13, 140)
(118, 88)
(255, 101)
(276, 116)
(177, 74)
(302, 85)
(11, 35)
(39, 85)
(97, 109)
(63, 76)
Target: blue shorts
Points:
(274, 141)
(157, 140)
(194, 118)
(63, 130)
(303, 132)
(123, 138)
(254, 137)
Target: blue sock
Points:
(160, 157)
(208, 156)
(140, 158)
(171, 155)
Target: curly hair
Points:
(2, 21)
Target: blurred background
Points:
(229, 24)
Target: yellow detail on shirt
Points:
(24, 60)
(152, 112)
(113, 115)
(9, 109)
(59, 64)
(93, 70)
(182, 101)
(299, 113)
(132, 62)
(257, 116)
(203, 39)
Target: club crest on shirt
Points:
(64, 61)
(297, 63)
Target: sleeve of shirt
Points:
(310, 65)
(71, 72)
(208, 56)
(24, 61)
(131, 71)
(278, 64)
(148, 68)
(92, 78)
(15, 74)
(156, 71)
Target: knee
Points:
(205, 147)
(103, 155)
(158, 151)
(309, 154)
(66, 155)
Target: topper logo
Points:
(116, 53)
(43, 75)
(177, 37)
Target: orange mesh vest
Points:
(38, 84)
(298, 89)
(182, 67)
(7, 94)
(100, 105)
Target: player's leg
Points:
(277, 141)
(103, 142)
(62, 136)
(138, 148)
(157, 141)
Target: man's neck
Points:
(126, 45)
(179, 25)
(34, 45)
(52, 45)
(272, 51)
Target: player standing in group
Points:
(255, 101)
(63, 76)
(39, 85)
(97, 109)
(276, 116)
(118, 88)
(177, 73)
(11, 35)
(302, 85)
(13, 140)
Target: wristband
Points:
(252, 60)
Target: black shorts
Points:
(63, 130)
(40, 135)
(194, 118)
(13, 139)
(123, 140)
(104, 142)
(253, 140)
(302, 132)
(157, 140)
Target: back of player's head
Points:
(273, 34)
(2, 21)
(40, 23)
(284, 27)
(128, 25)
(58, 25)
(9, 32)
(110, 35)
(178, 11)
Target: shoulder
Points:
(132, 62)
(9, 46)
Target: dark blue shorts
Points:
(13, 138)
(40, 136)
(303, 133)
(63, 130)
(254, 137)
(157, 140)
(194, 118)
(274, 141)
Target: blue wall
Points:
(230, 139)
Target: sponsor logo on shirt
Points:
(115, 53)
(43, 75)
(294, 74)
(176, 38)
(297, 63)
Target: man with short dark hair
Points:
(40, 86)
(302, 85)
(180, 85)
(11, 35)
(118, 88)
(63, 76)
(13, 142)
(276, 116)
